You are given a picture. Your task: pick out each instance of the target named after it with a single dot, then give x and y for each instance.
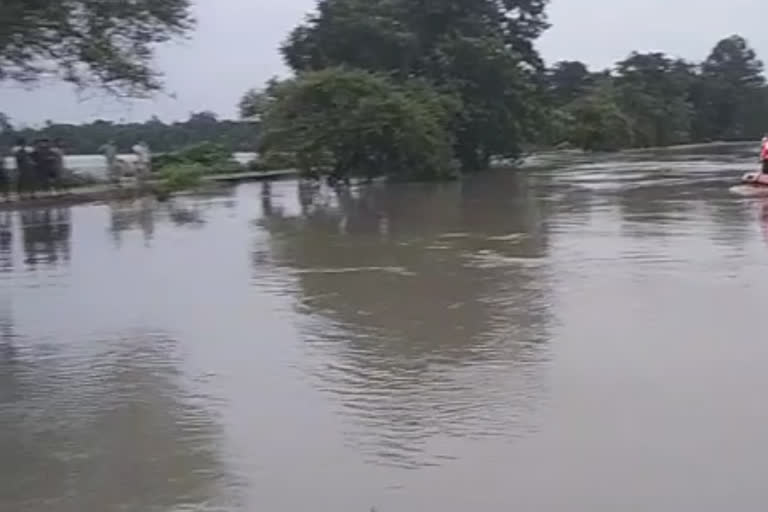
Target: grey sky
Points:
(235, 47)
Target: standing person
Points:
(143, 163)
(5, 178)
(58, 172)
(45, 159)
(113, 166)
(25, 169)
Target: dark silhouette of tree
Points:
(86, 42)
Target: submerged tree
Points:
(342, 123)
(88, 42)
(479, 50)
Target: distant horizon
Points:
(598, 33)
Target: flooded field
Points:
(584, 335)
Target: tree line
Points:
(406, 89)
(162, 137)
(652, 99)
(428, 89)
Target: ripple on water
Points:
(410, 406)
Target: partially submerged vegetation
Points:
(400, 89)
(353, 123)
(405, 89)
(418, 90)
(210, 157)
(178, 177)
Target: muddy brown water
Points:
(587, 335)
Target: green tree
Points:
(597, 121)
(480, 50)
(256, 102)
(566, 81)
(654, 91)
(730, 96)
(343, 123)
(88, 42)
(5, 124)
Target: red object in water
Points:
(755, 178)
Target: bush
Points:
(214, 158)
(343, 123)
(273, 161)
(178, 177)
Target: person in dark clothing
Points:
(45, 160)
(25, 169)
(5, 178)
(57, 179)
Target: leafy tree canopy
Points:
(480, 50)
(343, 123)
(664, 100)
(108, 43)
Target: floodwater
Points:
(584, 336)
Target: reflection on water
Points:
(579, 336)
(6, 241)
(103, 425)
(126, 215)
(46, 233)
(428, 310)
(95, 421)
(143, 214)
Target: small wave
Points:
(749, 191)
(356, 270)
(513, 237)
(493, 259)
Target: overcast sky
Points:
(235, 48)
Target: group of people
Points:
(39, 168)
(117, 168)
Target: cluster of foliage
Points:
(177, 178)
(162, 137)
(344, 123)
(651, 99)
(398, 88)
(404, 88)
(88, 42)
(209, 156)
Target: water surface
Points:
(581, 336)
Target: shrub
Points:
(214, 158)
(178, 177)
(343, 123)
